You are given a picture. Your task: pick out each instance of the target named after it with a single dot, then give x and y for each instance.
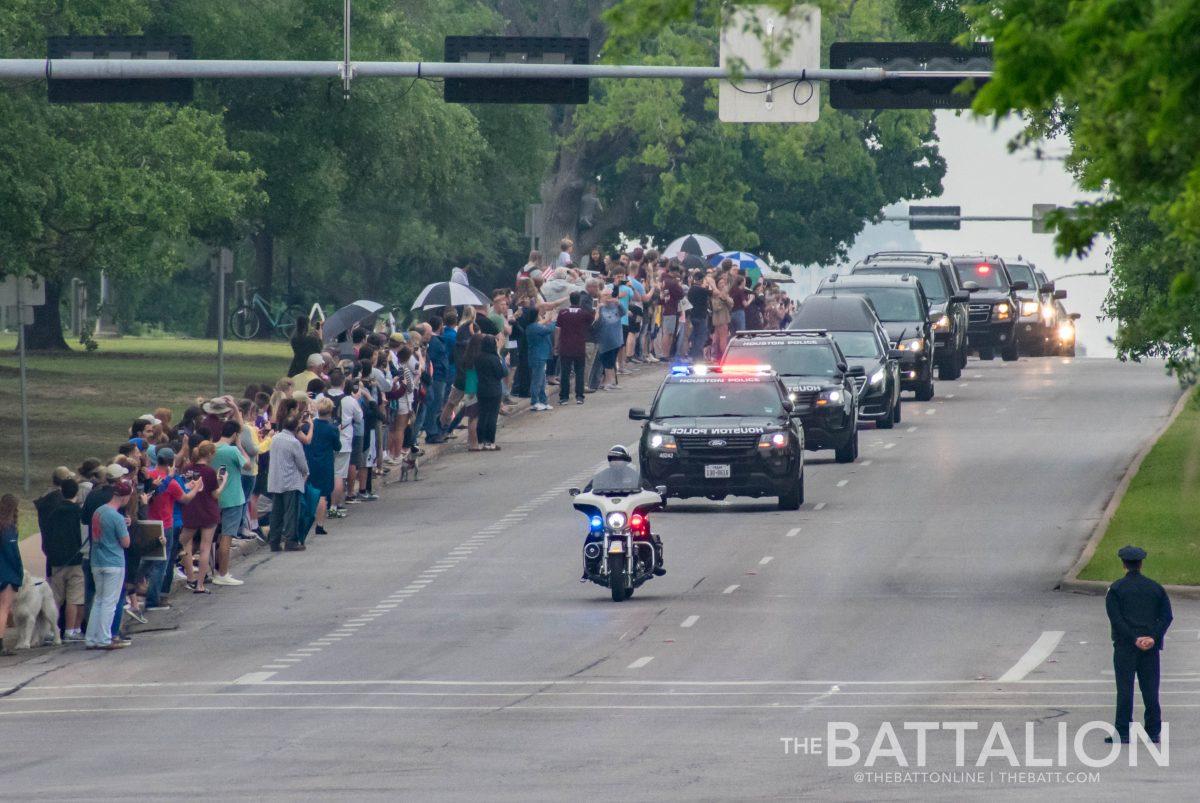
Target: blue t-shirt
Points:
(539, 338)
(177, 518)
(107, 551)
(609, 335)
(325, 444)
(625, 295)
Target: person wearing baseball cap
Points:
(1139, 611)
(109, 540)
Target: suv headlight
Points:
(772, 440)
(916, 344)
(942, 324)
(1002, 311)
(828, 397)
(1066, 331)
(877, 377)
(662, 442)
(1030, 308)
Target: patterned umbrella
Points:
(700, 245)
(450, 294)
(751, 265)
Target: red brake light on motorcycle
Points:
(638, 524)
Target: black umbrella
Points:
(450, 294)
(691, 261)
(344, 319)
(699, 244)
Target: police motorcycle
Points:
(620, 551)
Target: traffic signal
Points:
(916, 213)
(517, 50)
(133, 90)
(907, 93)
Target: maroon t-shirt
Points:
(574, 324)
(203, 510)
(738, 295)
(672, 293)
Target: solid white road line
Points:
(792, 533)
(766, 560)
(688, 622)
(731, 589)
(843, 483)
(639, 663)
(1033, 658)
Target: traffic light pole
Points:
(124, 69)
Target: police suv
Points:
(819, 382)
(715, 432)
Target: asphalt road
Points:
(438, 644)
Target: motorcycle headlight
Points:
(1001, 311)
(877, 377)
(942, 324)
(1030, 307)
(828, 397)
(916, 344)
(615, 521)
(662, 442)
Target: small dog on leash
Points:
(409, 466)
(35, 613)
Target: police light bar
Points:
(735, 369)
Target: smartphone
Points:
(221, 472)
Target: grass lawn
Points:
(1161, 510)
(81, 404)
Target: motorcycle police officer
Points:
(621, 476)
(1140, 613)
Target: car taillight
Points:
(638, 524)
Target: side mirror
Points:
(843, 368)
(788, 407)
(857, 370)
(574, 492)
(1020, 284)
(961, 296)
(894, 354)
(1074, 316)
(638, 414)
(1059, 295)
(1048, 287)
(971, 287)
(661, 490)
(934, 317)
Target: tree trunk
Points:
(45, 333)
(561, 192)
(264, 262)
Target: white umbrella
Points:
(450, 294)
(700, 245)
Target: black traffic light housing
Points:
(907, 93)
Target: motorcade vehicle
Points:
(994, 307)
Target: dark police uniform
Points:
(621, 477)
(1137, 606)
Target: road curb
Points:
(1071, 582)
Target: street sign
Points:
(915, 213)
(1039, 217)
(517, 50)
(920, 93)
(32, 291)
(128, 90)
(762, 37)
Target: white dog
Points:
(34, 609)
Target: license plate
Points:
(716, 472)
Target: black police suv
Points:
(1037, 327)
(818, 381)
(716, 434)
(993, 310)
(903, 310)
(947, 300)
(851, 321)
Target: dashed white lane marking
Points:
(949, 395)
(930, 411)
(766, 560)
(792, 533)
(911, 429)
(890, 445)
(275, 666)
(962, 384)
(864, 462)
(639, 663)
(819, 506)
(287, 660)
(1033, 658)
(253, 677)
(843, 483)
(688, 622)
(731, 589)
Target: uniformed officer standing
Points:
(1140, 613)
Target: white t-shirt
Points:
(351, 413)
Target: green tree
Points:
(116, 188)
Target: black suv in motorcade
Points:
(851, 321)
(714, 433)
(1037, 328)
(994, 306)
(819, 382)
(903, 310)
(947, 299)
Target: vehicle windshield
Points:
(786, 358)
(857, 344)
(984, 274)
(708, 396)
(891, 303)
(1023, 273)
(931, 279)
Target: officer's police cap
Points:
(1131, 553)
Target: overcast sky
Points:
(985, 179)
